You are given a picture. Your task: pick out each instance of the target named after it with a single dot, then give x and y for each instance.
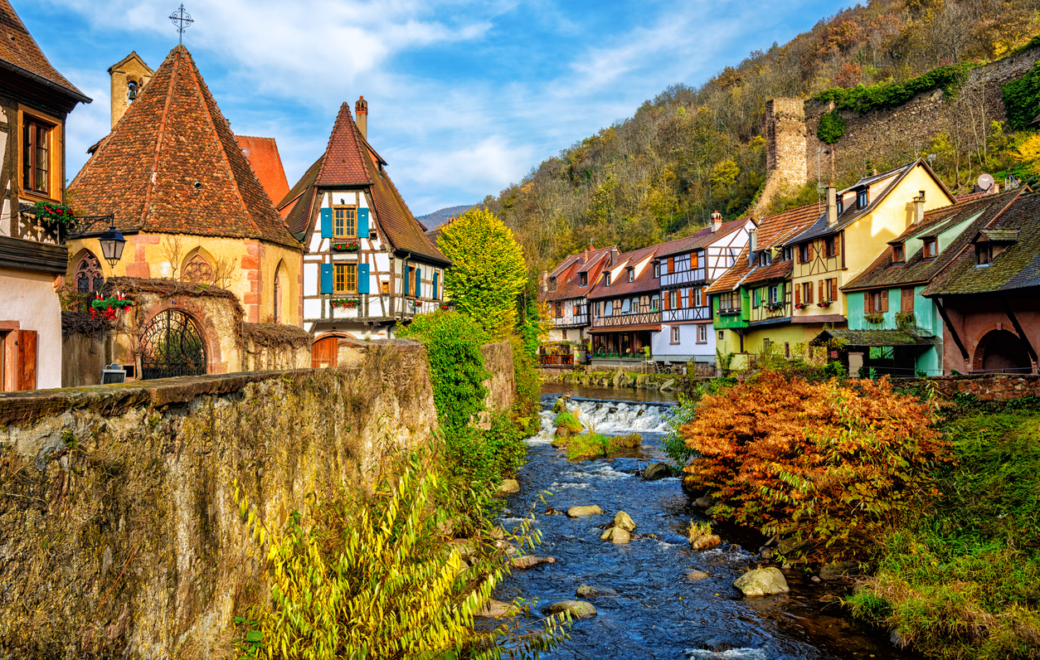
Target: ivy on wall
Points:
(864, 99)
(831, 127)
(1022, 99)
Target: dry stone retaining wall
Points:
(988, 387)
(119, 533)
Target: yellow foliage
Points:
(1029, 152)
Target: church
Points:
(182, 191)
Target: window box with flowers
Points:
(800, 306)
(345, 246)
(54, 213)
(824, 303)
(875, 319)
(774, 306)
(344, 302)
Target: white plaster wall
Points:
(663, 348)
(30, 299)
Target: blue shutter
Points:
(326, 278)
(326, 223)
(436, 277)
(418, 282)
(362, 223)
(362, 278)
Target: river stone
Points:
(493, 609)
(579, 609)
(465, 547)
(787, 546)
(617, 536)
(624, 521)
(838, 570)
(509, 486)
(705, 502)
(668, 385)
(585, 591)
(583, 511)
(530, 561)
(656, 471)
(762, 582)
(560, 405)
(693, 576)
(702, 539)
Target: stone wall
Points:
(119, 532)
(498, 358)
(886, 138)
(987, 387)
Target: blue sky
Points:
(464, 97)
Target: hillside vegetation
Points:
(689, 151)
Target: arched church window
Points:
(198, 271)
(89, 276)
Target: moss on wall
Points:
(119, 534)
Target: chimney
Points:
(832, 205)
(919, 208)
(543, 282)
(716, 221)
(613, 255)
(753, 239)
(361, 116)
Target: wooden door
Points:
(27, 360)
(323, 353)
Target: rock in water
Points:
(693, 576)
(762, 582)
(582, 511)
(705, 502)
(624, 521)
(579, 609)
(701, 537)
(585, 591)
(617, 536)
(493, 609)
(530, 561)
(838, 570)
(509, 486)
(560, 405)
(656, 471)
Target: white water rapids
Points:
(608, 418)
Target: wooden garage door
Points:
(323, 353)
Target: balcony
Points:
(580, 319)
(622, 320)
(683, 277)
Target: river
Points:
(657, 613)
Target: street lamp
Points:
(112, 244)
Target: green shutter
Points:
(362, 278)
(326, 278)
(418, 282)
(362, 223)
(404, 289)
(326, 223)
(436, 276)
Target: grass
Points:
(963, 580)
(569, 421)
(594, 445)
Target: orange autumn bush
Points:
(830, 463)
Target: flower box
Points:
(824, 303)
(774, 306)
(345, 246)
(800, 306)
(54, 213)
(344, 302)
(108, 307)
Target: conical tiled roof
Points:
(174, 135)
(350, 161)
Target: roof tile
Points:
(19, 49)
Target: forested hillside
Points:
(689, 151)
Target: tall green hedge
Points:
(1022, 99)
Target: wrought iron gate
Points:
(172, 346)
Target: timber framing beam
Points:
(953, 332)
(1018, 328)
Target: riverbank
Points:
(622, 380)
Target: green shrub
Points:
(1022, 99)
(864, 99)
(963, 580)
(569, 421)
(674, 444)
(527, 408)
(831, 127)
(594, 445)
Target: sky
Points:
(464, 97)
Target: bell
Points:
(132, 96)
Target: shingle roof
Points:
(568, 283)
(20, 52)
(704, 236)
(1014, 269)
(917, 269)
(620, 286)
(772, 231)
(874, 338)
(262, 154)
(173, 136)
(851, 213)
(350, 161)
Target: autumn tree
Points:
(488, 270)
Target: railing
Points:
(686, 314)
(695, 275)
(617, 320)
(556, 360)
(573, 319)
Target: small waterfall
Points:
(608, 418)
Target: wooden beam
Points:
(1018, 328)
(953, 333)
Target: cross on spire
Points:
(183, 21)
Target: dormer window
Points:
(787, 254)
(983, 254)
(552, 283)
(931, 248)
(606, 278)
(631, 274)
(898, 253)
(657, 269)
(583, 279)
(861, 198)
(841, 204)
(764, 259)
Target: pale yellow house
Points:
(857, 225)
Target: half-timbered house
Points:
(625, 304)
(566, 292)
(34, 102)
(687, 267)
(369, 265)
